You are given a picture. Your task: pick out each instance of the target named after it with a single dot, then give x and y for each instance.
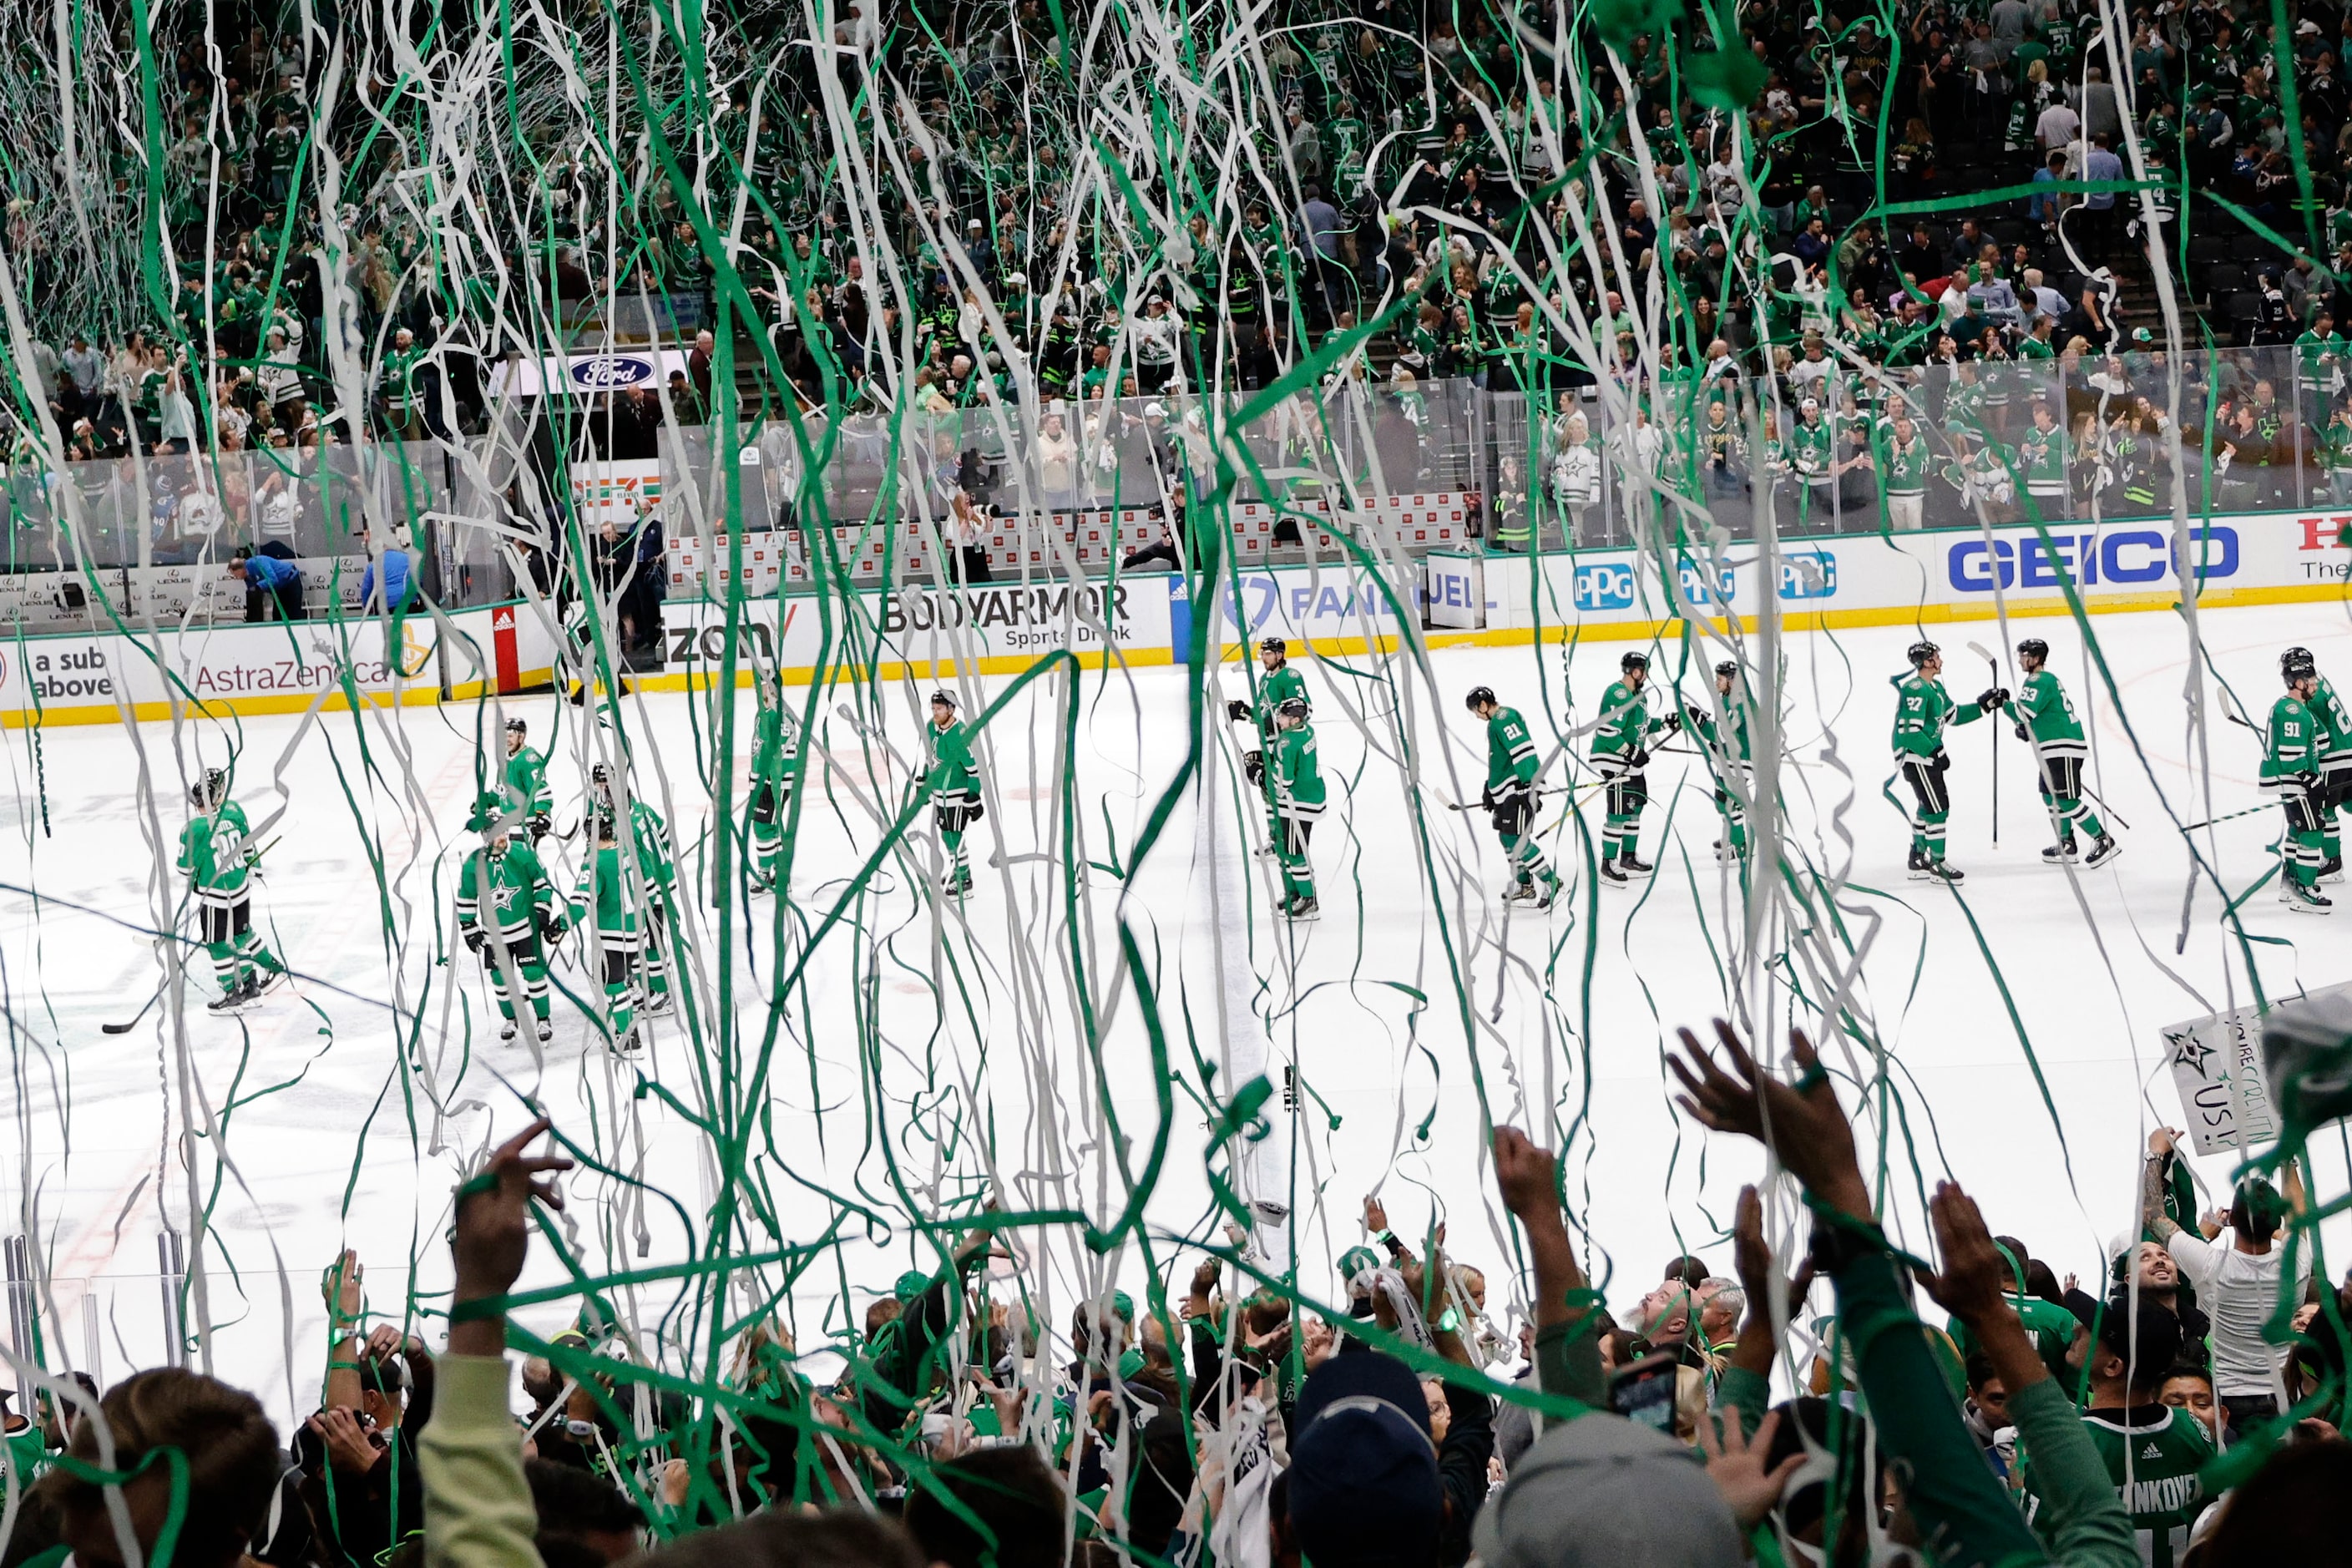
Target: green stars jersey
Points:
(953, 780)
(1293, 776)
(2041, 459)
(2329, 714)
(1724, 748)
(1902, 465)
(2042, 707)
(1626, 723)
(657, 857)
(2317, 357)
(1923, 710)
(211, 852)
(1510, 755)
(526, 780)
(2293, 742)
(513, 883)
(775, 745)
(603, 890)
(2152, 1454)
(399, 378)
(1275, 688)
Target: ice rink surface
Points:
(924, 1048)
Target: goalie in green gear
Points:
(1295, 779)
(2045, 720)
(507, 877)
(605, 892)
(1923, 710)
(1621, 750)
(954, 784)
(1510, 796)
(657, 872)
(2291, 770)
(1277, 685)
(2327, 711)
(526, 780)
(1729, 752)
(220, 873)
(776, 751)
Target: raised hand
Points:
(1801, 1123)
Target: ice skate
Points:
(2061, 853)
(1301, 911)
(2104, 850)
(2305, 900)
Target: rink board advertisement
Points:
(1955, 574)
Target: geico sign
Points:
(2087, 560)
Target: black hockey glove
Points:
(1991, 697)
(1674, 723)
(1254, 767)
(2023, 733)
(477, 939)
(552, 926)
(1487, 798)
(1236, 710)
(538, 827)
(1641, 758)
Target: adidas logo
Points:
(2151, 1452)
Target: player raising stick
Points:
(1728, 753)
(1621, 750)
(1296, 780)
(1922, 709)
(522, 906)
(954, 784)
(1511, 796)
(526, 780)
(2046, 720)
(2327, 710)
(220, 872)
(603, 890)
(2291, 770)
(775, 747)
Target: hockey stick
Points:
(125, 1028)
(1994, 666)
(2232, 817)
(1548, 789)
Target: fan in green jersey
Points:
(954, 785)
(1511, 796)
(1621, 750)
(2329, 713)
(2153, 1451)
(1296, 780)
(2045, 720)
(656, 871)
(605, 891)
(1279, 684)
(526, 780)
(220, 866)
(507, 877)
(2291, 762)
(776, 751)
(1923, 710)
(1727, 748)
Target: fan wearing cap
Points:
(2335, 750)
(2045, 720)
(1369, 1485)
(954, 784)
(2237, 1270)
(2123, 1350)
(525, 779)
(2294, 748)
(507, 877)
(1923, 708)
(1729, 754)
(1621, 750)
(1296, 780)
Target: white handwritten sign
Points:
(2225, 1097)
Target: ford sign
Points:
(607, 372)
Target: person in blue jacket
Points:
(266, 578)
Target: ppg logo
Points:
(1809, 574)
(1699, 588)
(608, 371)
(1603, 587)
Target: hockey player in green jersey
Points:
(507, 877)
(2334, 791)
(1296, 780)
(605, 892)
(1621, 750)
(1277, 685)
(2045, 720)
(775, 749)
(526, 780)
(2291, 763)
(954, 784)
(1511, 796)
(1728, 753)
(1923, 710)
(220, 866)
(655, 860)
